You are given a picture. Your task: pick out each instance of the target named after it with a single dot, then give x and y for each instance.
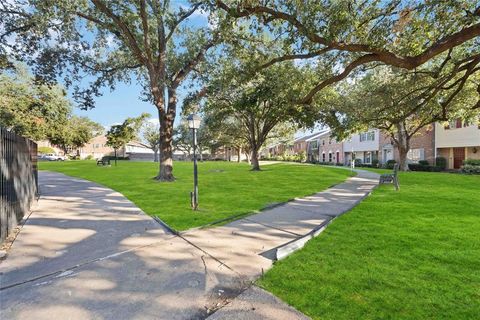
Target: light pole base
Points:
(193, 203)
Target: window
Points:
(367, 136)
(453, 124)
(329, 141)
(415, 155)
(314, 145)
(330, 156)
(323, 142)
(367, 157)
(323, 157)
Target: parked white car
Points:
(53, 157)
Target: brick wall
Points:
(424, 139)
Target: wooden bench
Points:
(391, 177)
(105, 161)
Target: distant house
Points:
(329, 149)
(96, 148)
(136, 151)
(300, 145)
(363, 146)
(46, 143)
(277, 150)
(457, 141)
(422, 147)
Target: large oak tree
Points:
(148, 41)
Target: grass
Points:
(225, 189)
(412, 254)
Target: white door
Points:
(387, 155)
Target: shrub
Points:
(470, 169)
(302, 156)
(326, 163)
(423, 167)
(441, 162)
(89, 157)
(375, 163)
(44, 150)
(435, 168)
(390, 164)
(112, 158)
(472, 162)
(358, 162)
(423, 163)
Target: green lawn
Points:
(225, 189)
(412, 254)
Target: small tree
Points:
(119, 135)
(75, 134)
(260, 104)
(183, 138)
(151, 135)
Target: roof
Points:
(319, 134)
(135, 143)
(310, 136)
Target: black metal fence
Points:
(18, 179)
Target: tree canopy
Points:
(344, 37)
(120, 134)
(33, 110)
(260, 103)
(75, 133)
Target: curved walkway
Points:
(86, 252)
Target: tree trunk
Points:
(254, 160)
(239, 152)
(166, 120)
(155, 155)
(402, 141)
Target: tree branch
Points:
(126, 33)
(181, 19)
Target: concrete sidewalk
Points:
(89, 253)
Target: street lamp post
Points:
(194, 123)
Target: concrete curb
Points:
(296, 244)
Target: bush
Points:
(89, 157)
(326, 163)
(358, 162)
(390, 164)
(423, 167)
(302, 156)
(441, 162)
(470, 169)
(423, 163)
(375, 163)
(472, 162)
(112, 158)
(45, 150)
